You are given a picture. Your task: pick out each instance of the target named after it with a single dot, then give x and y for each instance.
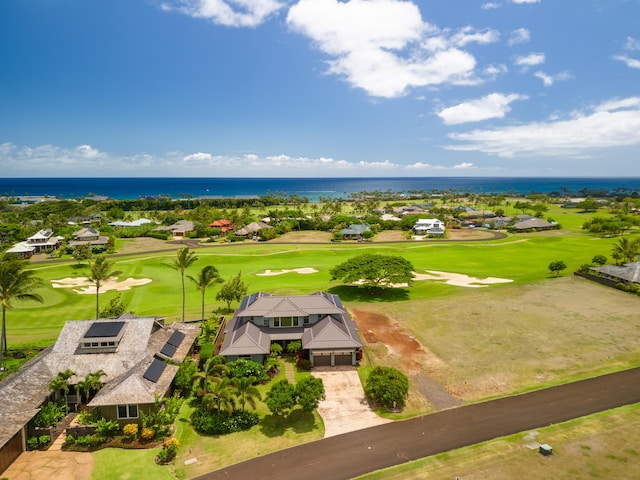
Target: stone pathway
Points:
(289, 372)
(37, 465)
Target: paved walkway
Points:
(356, 453)
(51, 465)
(345, 408)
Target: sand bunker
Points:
(459, 279)
(87, 287)
(303, 271)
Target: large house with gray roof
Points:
(319, 321)
(140, 356)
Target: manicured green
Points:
(119, 464)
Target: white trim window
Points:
(127, 411)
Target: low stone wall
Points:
(81, 430)
(607, 282)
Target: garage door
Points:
(321, 360)
(343, 359)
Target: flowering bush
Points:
(130, 430)
(146, 434)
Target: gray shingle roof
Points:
(22, 393)
(334, 330)
(329, 333)
(629, 272)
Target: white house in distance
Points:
(429, 226)
(41, 242)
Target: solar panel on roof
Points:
(168, 350)
(104, 329)
(155, 370)
(243, 303)
(176, 338)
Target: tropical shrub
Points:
(107, 428)
(32, 443)
(146, 434)
(387, 386)
(222, 423)
(247, 368)
(130, 430)
(49, 415)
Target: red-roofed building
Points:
(223, 225)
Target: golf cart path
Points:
(356, 453)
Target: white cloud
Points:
(525, 1)
(611, 124)
(385, 47)
(549, 80)
(630, 62)
(632, 44)
(489, 6)
(464, 165)
(230, 13)
(87, 161)
(494, 105)
(530, 60)
(521, 35)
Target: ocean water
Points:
(313, 188)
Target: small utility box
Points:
(546, 450)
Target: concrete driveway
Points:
(345, 408)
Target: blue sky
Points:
(276, 88)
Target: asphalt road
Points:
(355, 453)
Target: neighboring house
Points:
(179, 229)
(429, 226)
(389, 217)
(470, 212)
(627, 273)
(88, 236)
(534, 224)
(42, 242)
(86, 220)
(140, 355)
(251, 229)
(354, 231)
(223, 224)
(319, 321)
(499, 222)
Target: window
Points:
(286, 322)
(127, 411)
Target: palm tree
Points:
(100, 271)
(184, 259)
(221, 397)
(207, 277)
(15, 283)
(83, 387)
(60, 383)
(95, 379)
(626, 249)
(211, 369)
(246, 390)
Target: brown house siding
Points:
(11, 450)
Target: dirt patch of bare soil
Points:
(404, 352)
(469, 234)
(142, 245)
